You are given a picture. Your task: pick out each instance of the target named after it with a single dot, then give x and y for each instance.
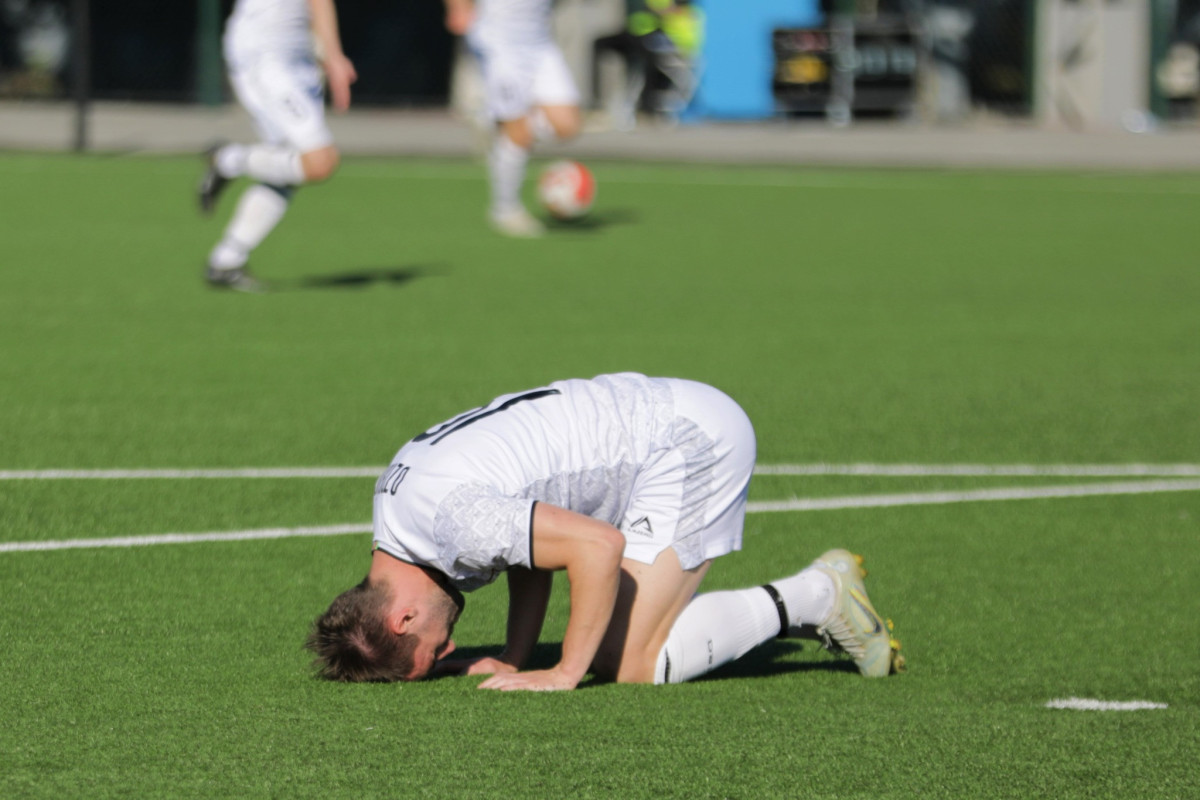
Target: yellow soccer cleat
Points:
(853, 626)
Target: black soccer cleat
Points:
(212, 183)
(236, 279)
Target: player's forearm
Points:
(594, 575)
(323, 18)
(590, 551)
(528, 596)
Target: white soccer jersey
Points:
(269, 25)
(520, 21)
(460, 497)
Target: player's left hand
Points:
(546, 680)
(471, 666)
(340, 73)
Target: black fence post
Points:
(208, 53)
(81, 69)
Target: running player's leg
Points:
(555, 114)
(284, 95)
(508, 70)
(296, 148)
(508, 160)
(556, 122)
(532, 97)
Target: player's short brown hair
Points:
(353, 643)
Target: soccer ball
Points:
(567, 189)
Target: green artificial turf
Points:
(911, 317)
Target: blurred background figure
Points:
(269, 51)
(528, 91)
(34, 47)
(660, 45)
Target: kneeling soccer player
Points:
(274, 71)
(632, 485)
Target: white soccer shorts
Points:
(284, 93)
(693, 496)
(518, 77)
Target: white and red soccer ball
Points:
(566, 189)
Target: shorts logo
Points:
(641, 527)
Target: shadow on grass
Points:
(769, 659)
(362, 278)
(595, 221)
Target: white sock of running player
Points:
(714, 629)
(539, 125)
(258, 211)
(280, 166)
(506, 169)
(807, 596)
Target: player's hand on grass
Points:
(546, 680)
(471, 666)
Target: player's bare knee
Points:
(518, 132)
(319, 165)
(567, 124)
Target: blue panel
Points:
(738, 63)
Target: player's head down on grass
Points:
(368, 634)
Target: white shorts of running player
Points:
(692, 497)
(519, 76)
(284, 93)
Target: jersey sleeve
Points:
(481, 532)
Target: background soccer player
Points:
(528, 89)
(632, 486)
(275, 73)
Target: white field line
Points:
(188, 474)
(186, 538)
(859, 469)
(987, 470)
(1088, 704)
(971, 496)
(758, 507)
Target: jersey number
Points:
(476, 414)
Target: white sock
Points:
(230, 160)
(807, 595)
(258, 211)
(506, 169)
(539, 125)
(714, 629)
(280, 166)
